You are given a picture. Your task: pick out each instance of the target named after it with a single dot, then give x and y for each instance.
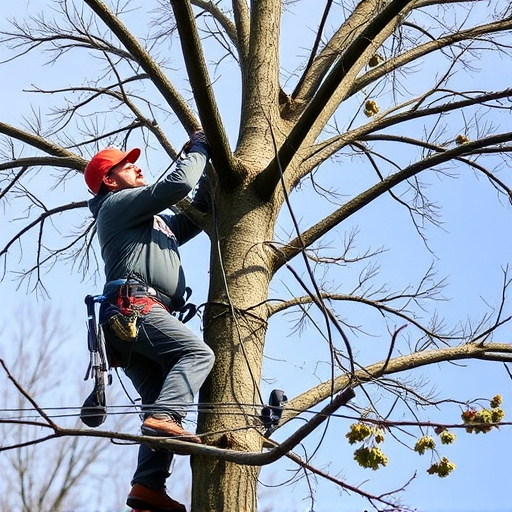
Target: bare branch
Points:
(71, 160)
(46, 214)
(168, 91)
(325, 92)
(318, 153)
(489, 351)
(471, 34)
(203, 92)
(229, 27)
(314, 233)
(49, 422)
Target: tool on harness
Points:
(271, 413)
(94, 410)
(124, 326)
(129, 301)
(131, 298)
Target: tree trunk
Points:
(235, 324)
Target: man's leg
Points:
(153, 466)
(185, 360)
(147, 371)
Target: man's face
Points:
(124, 175)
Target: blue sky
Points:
(471, 250)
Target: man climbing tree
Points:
(305, 146)
(145, 290)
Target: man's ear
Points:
(109, 182)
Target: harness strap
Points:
(129, 289)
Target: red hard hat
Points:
(102, 162)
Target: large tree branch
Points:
(242, 21)
(318, 68)
(499, 184)
(161, 82)
(347, 60)
(184, 448)
(478, 351)
(211, 120)
(181, 447)
(69, 162)
(345, 66)
(426, 48)
(342, 385)
(317, 154)
(260, 78)
(288, 251)
(67, 158)
(392, 64)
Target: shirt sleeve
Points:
(135, 205)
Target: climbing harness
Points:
(125, 300)
(132, 298)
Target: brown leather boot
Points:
(143, 498)
(168, 427)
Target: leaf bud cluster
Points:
(442, 468)
(371, 108)
(367, 456)
(447, 437)
(483, 420)
(461, 139)
(370, 457)
(424, 443)
(358, 432)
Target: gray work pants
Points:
(167, 365)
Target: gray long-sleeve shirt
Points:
(137, 240)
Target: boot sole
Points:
(140, 506)
(148, 431)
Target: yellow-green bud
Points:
(496, 401)
(371, 108)
(447, 437)
(461, 139)
(497, 415)
(424, 443)
(358, 432)
(442, 468)
(370, 457)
